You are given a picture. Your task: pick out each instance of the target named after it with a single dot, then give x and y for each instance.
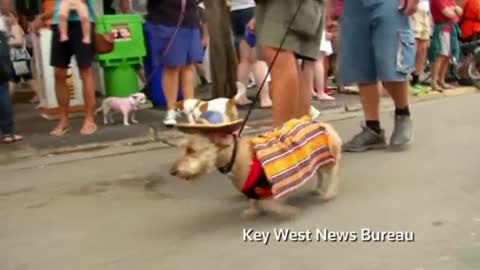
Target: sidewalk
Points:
(37, 139)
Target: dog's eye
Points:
(189, 151)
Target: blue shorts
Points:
(186, 47)
(376, 42)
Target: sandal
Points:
(88, 129)
(60, 131)
(11, 138)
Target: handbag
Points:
(6, 71)
(20, 59)
(104, 43)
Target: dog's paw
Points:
(250, 213)
(326, 196)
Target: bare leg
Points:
(284, 83)
(320, 78)
(63, 99)
(421, 58)
(171, 77)
(304, 95)
(443, 73)
(88, 82)
(63, 23)
(83, 13)
(243, 71)
(437, 72)
(370, 99)
(261, 72)
(12, 87)
(398, 92)
(186, 77)
(308, 72)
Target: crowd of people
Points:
(377, 45)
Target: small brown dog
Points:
(203, 153)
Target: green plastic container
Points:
(120, 65)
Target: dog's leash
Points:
(168, 47)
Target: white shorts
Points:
(326, 46)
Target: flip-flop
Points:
(88, 129)
(11, 138)
(59, 132)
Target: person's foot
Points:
(89, 128)
(445, 85)
(437, 87)
(170, 119)
(265, 103)
(86, 40)
(63, 38)
(61, 129)
(366, 140)
(11, 138)
(242, 100)
(325, 97)
(402, 135)
(251, 84)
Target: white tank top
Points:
(241, 4)
(424, 5)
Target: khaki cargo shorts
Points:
(422, 25)
(272, 20)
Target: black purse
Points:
(6, 71)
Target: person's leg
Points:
(393, 37)
(437, 66)
(443, 73)
(12, 87)
(84, 54)
(243, 71)
(187, 79)
(304, 95)
(88, 82)
(171, 77)
(260, 72)
(82, 10)
(284, 85)
(7, 130)
(357, 65)
(62, 52)
(308, 67)
(63, 22)
(320, 79)
(200, 69)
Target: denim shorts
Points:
(185, 48)
(377, 42)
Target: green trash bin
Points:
(120, 65)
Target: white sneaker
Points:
(170, 119)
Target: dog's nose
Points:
(173, 171)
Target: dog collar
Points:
(228, 168)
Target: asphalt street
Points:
(126, 212)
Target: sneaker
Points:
(170, 119)
(402, 135)
(418, 89)
(366, 140)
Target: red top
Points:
(436, 8)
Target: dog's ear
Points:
(221, 139)
(180, 105)
(203, 107)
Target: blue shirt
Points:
(73, 15)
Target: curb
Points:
(167, 139)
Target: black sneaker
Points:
(366, 140)
(402, 135)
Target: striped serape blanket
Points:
(291, 155)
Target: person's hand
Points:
(458, 10)
(37, 24)
(205, 42)
(328, 36)
(251, 25)
(408, 7)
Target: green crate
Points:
(120, 65)
(128, 47)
